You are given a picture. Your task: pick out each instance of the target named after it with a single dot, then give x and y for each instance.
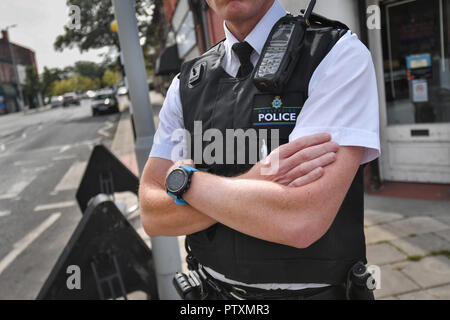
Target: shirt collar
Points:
(257, 37)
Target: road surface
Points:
(42, 157)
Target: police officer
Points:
(253, 232)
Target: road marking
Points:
(22, 244)
(56, 205)
(63, 158)
(23, 162)
(18, 187)
(102, 131)
(4, 213)
(2, 147)
(64, 148)
(72, 179)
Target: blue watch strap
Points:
(189, 169)
(179, 200)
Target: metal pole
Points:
(19, 87)
(165, 249)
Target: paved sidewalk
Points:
(408, 239)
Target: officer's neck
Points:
(242, 28)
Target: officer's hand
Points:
(297, 163)
(179, 163)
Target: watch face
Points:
(176, 180)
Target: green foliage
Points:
(32, 85)
(75, 83)
(89, 69)
(48, 78)
(110, 78)
(95, 31)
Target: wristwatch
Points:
(178, 181)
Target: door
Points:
(416, 39)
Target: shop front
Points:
(415, 38)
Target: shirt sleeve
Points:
(343, 99)
(170, 123)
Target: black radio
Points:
(281, 52)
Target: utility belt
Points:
(200, 285)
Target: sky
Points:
(39, 22)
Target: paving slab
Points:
(394, 282)
(445, 234)
(379, 233)
(443, 292)
(383, 253)
(443, 218)
(421, 244)
(415, 225)
(429, 272)
(374, 217)
(388, 298)
(418, 295)
(438, 293)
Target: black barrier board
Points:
(110, 257)
(104, 174)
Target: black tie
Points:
(243, 50)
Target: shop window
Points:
(416, 43)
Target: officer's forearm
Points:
(266, 210)
(261, 209)
(159, 214)
(162, 217)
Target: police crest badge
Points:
(277, 103)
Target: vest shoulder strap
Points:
(317, 19)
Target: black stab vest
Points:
(223, 102)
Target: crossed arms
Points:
(295, 206)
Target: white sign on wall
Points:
(420, 90)
(21, 70)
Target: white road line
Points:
(5, 213)
(64, 148)
(72, 179)
(2, 147)
(102, 131)
(56, 205)
(18, 187)
(22, 244)
(58, 158)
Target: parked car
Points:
(90, 94)
(70, 98)
(56, 101)
(104, 102)
(122, 91)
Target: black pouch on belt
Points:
(360, 283)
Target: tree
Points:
(49, 77)
(75, 83)
(89, 69)
(96, 17)
(110, 78)
(32, 86)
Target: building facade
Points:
(9, 94)
(410, 43)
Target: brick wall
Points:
(215, 26)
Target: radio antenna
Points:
(308, 12)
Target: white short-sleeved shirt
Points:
(342, 100)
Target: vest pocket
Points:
(250, 250)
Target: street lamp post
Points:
(13, 58)
(165, 249)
